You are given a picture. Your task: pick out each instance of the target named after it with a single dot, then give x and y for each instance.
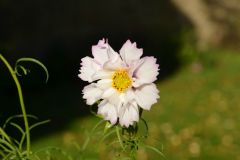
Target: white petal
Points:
(108, 93)
(129, 52)
(114, 64)
(116, 98)
(104, 84)
(146, 72)
(91, 93)
(146, 95)
(102, 74)
(133, 66)
(108, 111)
(113, 96)
(99, 52)
(88, 69)
(128, 96)
(129, 114)
(112, 55)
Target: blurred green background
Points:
(196, 44)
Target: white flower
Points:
(122, 83)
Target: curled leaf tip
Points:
(33, 61)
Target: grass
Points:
(196, 118)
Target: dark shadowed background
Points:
(195, 42)
(60, 33)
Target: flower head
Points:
(121, 82)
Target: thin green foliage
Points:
(21, 100)
(119, 137)
(25, 71)
(89, 136)
(11, 148)
(16, 117)
(38, 124)
(155, 150)
(51, 153)
(107, 135)
(2, 154)
(4, 134)
(17, 127)
(130, 139)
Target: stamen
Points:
(121, 80)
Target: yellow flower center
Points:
(121, 80)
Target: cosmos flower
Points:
(120, 82)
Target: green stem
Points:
(14, 76)
(119, 137)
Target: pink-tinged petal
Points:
(146, 96)
(102, 74)
(91, 93)
(108, 93)
(88, 68)
(128, 96)
(113, 96)
(113, 65)
(108, 111)
(114, 62)
(129, 114)
(104, 84)
(146, 72)
(99, 52)
(112, 55)
(116, 99)
(133, 66)
(130, 53)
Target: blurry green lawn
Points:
(197, 116)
